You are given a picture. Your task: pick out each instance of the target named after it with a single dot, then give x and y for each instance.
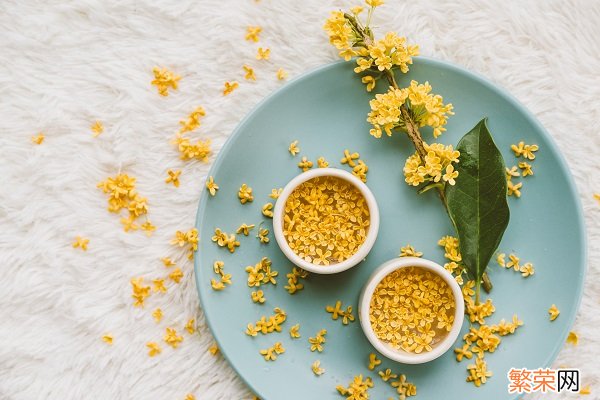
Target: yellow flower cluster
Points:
(294, 285)
(412, 309)
(340, 33)
(164, 79)
(193, 121)
(404, 388)
(122, 195)
(188, 150)
(223, 239)
(337, 311)
(527, 152)
(526, 269)
(244, 229)
(322, 162)
(409, 251)
(326, 220)
(140, 291)
(267, 325)
(317, 342)
(436, 166)
(225, 279)
(385, 54)
(452, 254)
(317, 369)
(261, 273)
(271, 353)
(358, 389)
(189, 238)
(427, 109)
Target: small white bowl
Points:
(362, 251)
(365, 305)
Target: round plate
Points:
(325, 110)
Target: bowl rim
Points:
(362, 251)
(365, 304)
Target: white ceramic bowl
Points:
(365, 305)
(362, 251)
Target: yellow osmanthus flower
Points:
(258, 296)
(356, 10)
(267, 210)
(337, 311)
(230, 87)
(573, 338)
(81, 242)
(153, 349)
(527, 269)
(439, 159)
(245, 229)
(148, 227)
(275, 193)
(173, 177)
(427, 109)
(192, 151)
(322, 162)
(222, 239)
(360, 170)
(526, 167)
(317, 342)
(140, 291)
(524, 150)
(554, 312)
(159, 285)
(409, 251)
(271, 353)
(349, 158)
(263, 235)
(157, 314)
(108, 339)
(478, 372)
(261, 273)
(391, 51)
(501, 259)
(294, 149)
(214, 349)
(263, 54)
(340, 33)
(176, 275)
(281, 74)
(164, 79)
(167, 262)
(97, 128)
(305, 164)
(189, 238)
(294, 285)
(172, 338)
(369, 81)
(512, 172)
(211, 186)
(190, 326)
(585, 390)
(513, 262)
(295, 331)
(193, 121)
(316, 368)
(374, 3)
(252, 33)
(190, 396)
(245, 194)
(373, 361)
(38, 139)
(514, 189)
(249, 73)
(217, 285)
(387, 375)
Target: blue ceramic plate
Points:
(325, 110)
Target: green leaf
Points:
(477, 203)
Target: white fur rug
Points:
(64, 64)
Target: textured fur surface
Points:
(64, 64)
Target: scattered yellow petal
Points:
(554, 312)
(81, 242)
(409, 251)
(230, 87)
(173, 177)
(275, 193)
(294, 149)
(190, 397)
(500, 259)
(211, 186)
(281, 74)
(316, 368)
(250, 75)
(244, 229)
(214, 349)
(245, 194)
(191, 326)
(252, 33)
(97, 128)
(153, 349)
(573, 338)
(148, 227)
(263, 54)
(164, 79)
(322, 162)
(176, 275)
(108, 338)
(172, 338)
(356, 10)
(38, 139)
(267, 210)
(295, 331)
(305, 164)
(159, 285)
(157, 315)
(586, 390)
(597, 197)
(167, 262)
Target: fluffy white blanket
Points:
(66, 64)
